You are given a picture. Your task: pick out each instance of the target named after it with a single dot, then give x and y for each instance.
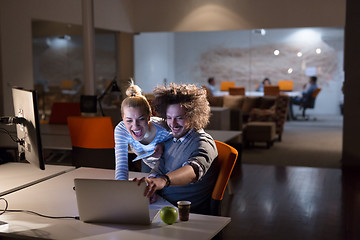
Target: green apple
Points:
(169, 215)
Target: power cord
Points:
(2, 211)
(15, 139)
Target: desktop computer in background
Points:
(27, 123)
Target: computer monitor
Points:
(28, 126)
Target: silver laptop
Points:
(113, 201)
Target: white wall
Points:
(236, 63)
(154, 60)
(16, 38)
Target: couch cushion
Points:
(231, 101)
(216, 101)
(249, 103)
(267, 102)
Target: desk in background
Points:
(260, 94)
(53, 136)
(56, 197)
(226, 136)
(15, 176)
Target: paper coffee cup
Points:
(184, 210)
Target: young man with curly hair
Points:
(187, 169)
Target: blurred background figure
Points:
(211, 85)
(306, 94)
(260, 87)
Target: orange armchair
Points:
(226, 159)
(92, 140)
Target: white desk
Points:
(56, 197)
(260, 94)
(15, 176)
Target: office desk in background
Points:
(226, 136)
(56, 197)
(15, 176)
(53, 136)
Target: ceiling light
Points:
(276, 52)
(318, 50)
(299, 54)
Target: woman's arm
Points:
(121, 152)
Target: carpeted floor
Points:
(304, 143)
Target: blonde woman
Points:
(138, 130)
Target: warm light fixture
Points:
(276, 52)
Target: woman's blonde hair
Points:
(135, 99)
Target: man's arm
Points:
(179, 177)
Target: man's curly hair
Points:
(190, 97)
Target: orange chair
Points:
(237, 91)
(67, 84)
(271, 90)
(61, 110)
(225, 85)
(92, 140)
(226, 160)
(286, 85)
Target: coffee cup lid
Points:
(183, 202)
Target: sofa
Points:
(245, 109)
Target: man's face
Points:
(175, 119)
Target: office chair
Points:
(286, 85)
(237, 91)
(61, 110)
(271, 90)
(67, 84)
(59, 113)
(92, 140)
(309, 103)
(225, 85)
(226, 159)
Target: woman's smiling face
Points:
(136, 122)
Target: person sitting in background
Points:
(188, 168)
(211, 85)
(306, 94)
(260, 88)
(139, 131)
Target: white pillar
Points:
(88, 47)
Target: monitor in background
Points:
(28, 125)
